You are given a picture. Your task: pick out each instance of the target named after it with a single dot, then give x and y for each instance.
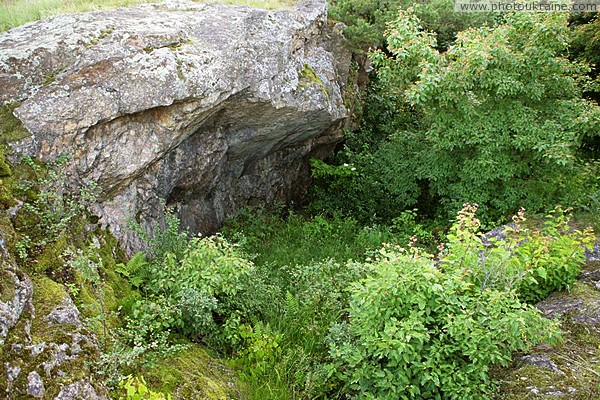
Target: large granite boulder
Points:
(203, 106)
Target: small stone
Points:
(37, 349)
(12, 372)
(594, 254)
(79, 390)
(542, 361)
(35, 386)
(16, 347)
(533, 390)
(65, 314)
(556, 308)
(13, 211)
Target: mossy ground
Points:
(578, 357)
(193, 374)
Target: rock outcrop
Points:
(45, 350)
(570, 370)
(203, 106)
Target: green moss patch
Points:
(309, 78)
(7, 287)
(11, 129)
(192, 374)
(47, 294)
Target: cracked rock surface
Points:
(204, 106)
(45, 350)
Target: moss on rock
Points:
(11, 129)
(47, 294)
(309, 78)
(59, 352)
(193, 374)
(576, 361)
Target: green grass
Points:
(297, 240)
(18, 12)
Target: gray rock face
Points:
(80, 390)
(35, 386)
(20, 298)
(204, 106)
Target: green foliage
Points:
(201, 287)
(134, 269)
(136, 389)
(303, 260)
(291, 240)
(85, 263)
(533, 262)
(280, 355)
(490, 125)
(416, 331)
(585, 47)
(585, 43)
(260, 349)
(162, 237)
(52, 209)
(366, 20)
(591, 211)
(141, 343)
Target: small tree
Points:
(501, 114)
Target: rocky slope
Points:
(205, 107)
(571, 370)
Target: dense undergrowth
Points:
(303, 307)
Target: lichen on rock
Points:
(570, 371)
(205, 106)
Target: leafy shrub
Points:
(136, 389)
(533, 262)
(494, 127)
(205, 292)
(415, 332)
(366, 19)
(163, 236)
(139, 344)
(259, 351)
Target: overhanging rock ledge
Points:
(203, 106)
